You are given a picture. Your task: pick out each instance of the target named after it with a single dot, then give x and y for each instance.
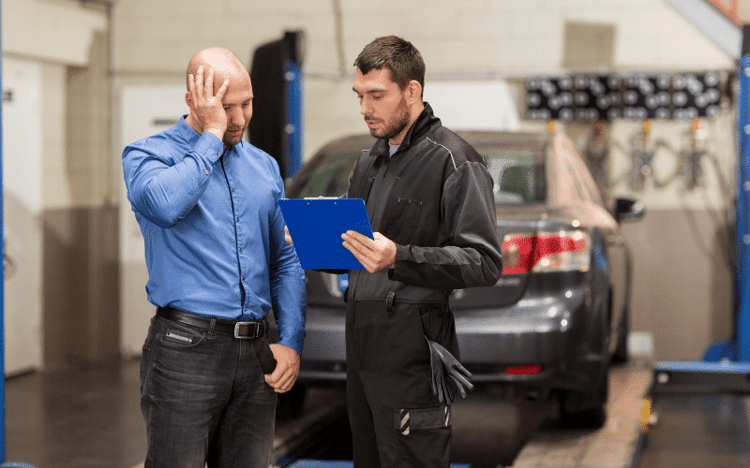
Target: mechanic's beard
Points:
(396, 124)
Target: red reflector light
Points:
(545, 251)
(523, 370)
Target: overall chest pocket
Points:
(405, 216)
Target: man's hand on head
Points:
(205, 104)
(374, 254)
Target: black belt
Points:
(246, 330)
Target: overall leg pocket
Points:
(424, 437)
(408, 420)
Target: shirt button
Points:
(206, 172)
(238, 219)
(240, 250)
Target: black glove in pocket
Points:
(446, 370)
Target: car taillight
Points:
(523, 370)
(546, 251)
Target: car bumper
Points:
(491, 341)
(530, 333)
(324, 352)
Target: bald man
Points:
(205, 200)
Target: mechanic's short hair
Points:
(398, 55)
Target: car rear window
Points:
(326, 177)
(518, 174)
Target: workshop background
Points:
(82, 79)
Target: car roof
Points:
(531, 140)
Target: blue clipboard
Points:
(316, 225)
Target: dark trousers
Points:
(395, 419)
(204, 398)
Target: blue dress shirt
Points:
(213, 231)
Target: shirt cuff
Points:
(209, 145)
(294, 342)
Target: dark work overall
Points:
(433, 199)
(395, 419)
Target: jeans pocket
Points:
(176, 335)
(266, 359)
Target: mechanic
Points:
(430, 201)
(206, 202)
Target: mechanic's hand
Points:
(287, 368)
(205, 105)
(375, 255)
(287, 236)
(446, 369)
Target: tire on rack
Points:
(586, 409)
(621, 351)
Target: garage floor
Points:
(91, 418)
(698, 431)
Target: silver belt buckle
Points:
(237, 330)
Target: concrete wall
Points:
(683, 290)
(154, 40)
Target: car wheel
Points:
(621, 351)
(586, 410)
(587, 419)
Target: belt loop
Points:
(211, 327)
(389, 306)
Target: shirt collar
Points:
(186, 131)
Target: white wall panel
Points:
(22, 206)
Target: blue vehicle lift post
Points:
(726, 366)
(293, 130)
(2, 291)
(742, 339)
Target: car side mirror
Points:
(627, 209)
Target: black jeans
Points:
(204, 398)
